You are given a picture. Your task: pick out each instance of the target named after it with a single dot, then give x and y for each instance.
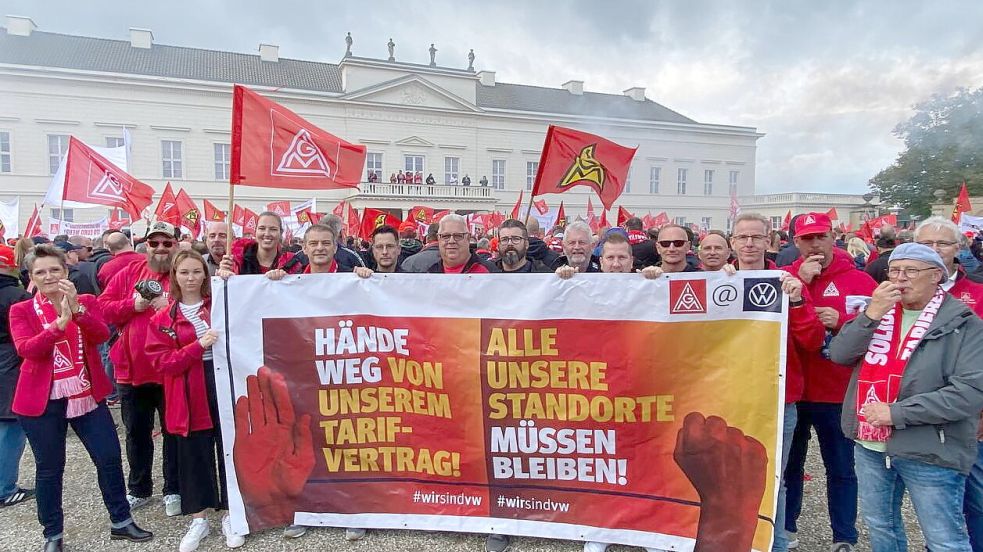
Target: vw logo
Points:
(724, 295)
(763, 295)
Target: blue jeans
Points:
(788, 429)
(47, 434)
(11, 448)
(841, 480)
(973, 504)
(936, 493)
(107, 364)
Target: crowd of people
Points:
(883, 354)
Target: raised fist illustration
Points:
(728, 470)
(273, 451)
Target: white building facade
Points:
(449, 122)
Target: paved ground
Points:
(86, 524)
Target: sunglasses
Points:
(674, 243)
(154, 244)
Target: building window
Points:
(57, 147)
(532, 168)
(5, 152)
(706, 223)
(708, 182)
(173, 166)
(655, 175)
(680, 221)
(373, 166)
(66, 215)
(114, 142)
(413, 164)
(222, 157)
(776, 222)
(733, 183)
(681, 181)
(452, 166)
(498, 174)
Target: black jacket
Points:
(878, 268)
(644, 254)
(539, 251)
(99, 257)
(533, 266)
(787, 255)
(594, 265)
(10, 292)
(347, 259)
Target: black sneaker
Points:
(16, 497)
(131, 533)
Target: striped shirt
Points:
(191, 313)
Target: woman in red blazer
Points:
(179, 344)
(62, 383)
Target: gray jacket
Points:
(422, 260)
(938, 407)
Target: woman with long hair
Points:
(62, 383)
(262, 254)
(180, 346)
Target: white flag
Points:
(10, 219)
(969, 223)
(116, 156)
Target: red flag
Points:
(573, 158)
(91, 178)
(238, 215)
(832, 214)
(962, 204)
(353, 228)
(250, 220)
(590, 209)
(541, 207)
(212, 213)
(339, 210)
(274, 147)
(623, 215)
(281, 208)
(561, 220)
(788, 220)
(439, 215)
(648, 221)
(374, 218)
(604, 219)
(306, 215)
(518, 205)
(117, 222)
(167, 207)
(496, 219)
(866, 233)
(190, 215)
(420, 215)
(33, 227)
(661, 220)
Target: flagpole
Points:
(528, 208)
(228, 218)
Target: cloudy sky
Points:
(825, 81)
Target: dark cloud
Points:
(826, 81)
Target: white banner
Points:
(10, 218)
(88, 229)
(970, 223)
(389, 402)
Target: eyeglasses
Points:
(909, 272)
(674, 243)
(453, 236)
(938, 243)
(741, 238)
(154, 244)
(512, 239)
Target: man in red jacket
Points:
(838, 290)
(805, 336)
(141, 393)
(942, 235)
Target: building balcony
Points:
(386, 190)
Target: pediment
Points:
(415, 141)
(411, 91)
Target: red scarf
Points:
(885, 361)
(70, 378)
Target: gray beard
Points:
(511, 257)
(159, 266)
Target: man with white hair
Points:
(578, 243)
(942, 235)
(455, 254)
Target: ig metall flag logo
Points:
(762, 295)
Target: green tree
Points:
(943, 148)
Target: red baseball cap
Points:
(7, 257)
(812, 223)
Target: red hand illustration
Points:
(273, 450)
(728, 471)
